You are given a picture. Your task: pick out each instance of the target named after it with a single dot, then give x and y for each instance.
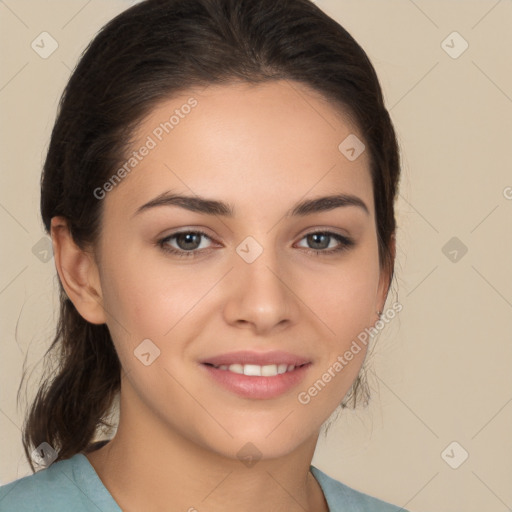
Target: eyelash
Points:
(345, 244)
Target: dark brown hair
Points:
(148, 53)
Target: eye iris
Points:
(189, 239)
(314, 237)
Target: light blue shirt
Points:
(72, 485)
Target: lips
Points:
(256, 358)
(257, 375)
(254, 386)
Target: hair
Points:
(142, 57)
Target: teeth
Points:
(236, 368)
(252, 369)
(269, 370)
(282, 368)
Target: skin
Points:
(261, 149)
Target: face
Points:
(284, 287)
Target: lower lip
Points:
(249, 386)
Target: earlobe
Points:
(78, 273)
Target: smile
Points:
(255, 370)
(257, 382)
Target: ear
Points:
(78, 273)
(384, 280)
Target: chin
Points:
(260, 442)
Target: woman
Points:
(219, 189)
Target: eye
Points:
(188, 242)
(321, 242)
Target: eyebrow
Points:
(214, 207)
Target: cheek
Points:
(344, 302)
(149, 299)
(344, 298)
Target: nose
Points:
(260, 295)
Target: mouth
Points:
(256, 370)
(256, 382)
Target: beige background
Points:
(442, 368)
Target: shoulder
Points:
(340, 497)
(52, 488)
(64, 485)
(34, 492)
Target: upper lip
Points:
(259, 358)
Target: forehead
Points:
(238, 141)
